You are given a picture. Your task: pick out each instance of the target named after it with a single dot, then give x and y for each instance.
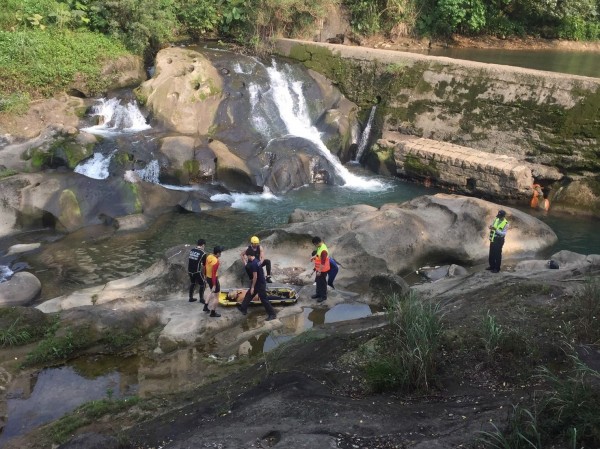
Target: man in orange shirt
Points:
(211, 269)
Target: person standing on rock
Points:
(211, 270)
(196, 261)
(259, 253)
(258, 287)
(322, 267)
(498, 231)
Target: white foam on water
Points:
(246, 201)
(116, 118)
(291, 103)
(5, 273)
(95, 167)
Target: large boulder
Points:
(398, 238)
(20, 290)
(185, 91)
(68, 201)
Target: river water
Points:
(585, 63)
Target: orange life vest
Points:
(321, 266)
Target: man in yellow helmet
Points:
(258, 253)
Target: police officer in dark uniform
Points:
(498, 231)
(196, 261)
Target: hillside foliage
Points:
(45, 44)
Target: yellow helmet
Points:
(255, 240)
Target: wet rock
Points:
(22, 248)
(20, 290)
(388, 284)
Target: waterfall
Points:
(5, 273)
(95, 167)
(290, 116)
(364, 138)
(150, 172)
(115, 118)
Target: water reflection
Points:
(296, 324)
(50, 394)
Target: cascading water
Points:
(364, 138)
(5, 273)
(95, 167)
(293, 119)
(114, 117)
(150, 172)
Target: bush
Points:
(405, 356)
(42, 63)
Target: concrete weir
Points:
(466, 169)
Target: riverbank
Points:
(489, 361)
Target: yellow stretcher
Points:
(276, 295)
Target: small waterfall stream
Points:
(114, 117)
(364, 138)
(95, 167)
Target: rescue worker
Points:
(498, 231)
(322, 267)
(211, 272)
(196, 261)
(259, 253)
(258, 287)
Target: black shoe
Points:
(331, 285)
(488, 268)
(205, 308)
(242, 311)
(322, 299)
(192, 300)
(214, 314)
(202, 301)
(271, 318)
(315, 296)
(269, 280)
(495, 271)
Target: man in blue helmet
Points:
(498, 231)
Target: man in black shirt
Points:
(258, 287)
(196, 261)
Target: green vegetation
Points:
(566, 411)
(59, 346)
(90, 412)
(584, 314)
(40, 63)
(6, 172)
(50, 45)
(575, 20)
(19, 326)
(493, 334)
(404, 356)
(13, 335)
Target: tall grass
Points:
(586, 307)
(14, 335)
(492, 334)
(566, 413)
(405, 355)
